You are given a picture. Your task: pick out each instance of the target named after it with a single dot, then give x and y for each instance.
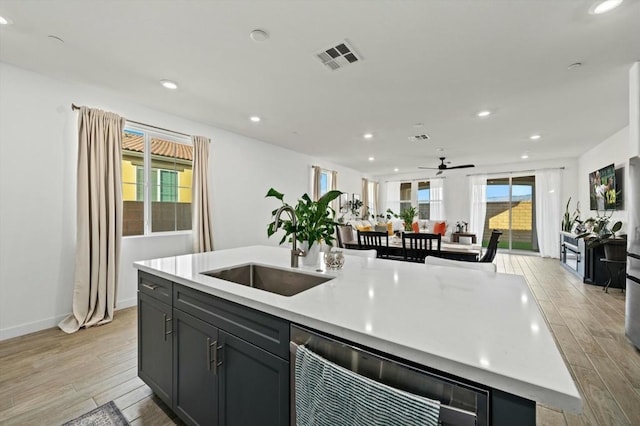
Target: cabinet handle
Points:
(150, 287)
(217, 364)
(215, 355)
(166, 320)
(215, 358)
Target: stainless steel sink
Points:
(273, 280)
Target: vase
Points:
(334, 260)
(312, 258)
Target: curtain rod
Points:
(416, 180)
(75, 107)
(517, 171)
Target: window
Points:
(427, 195)
(510, 208)
(325, 177)
(321, 181)
(156, 182)
(424, 198)
(405, 196)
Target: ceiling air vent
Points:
(338, 56)
(418, 138)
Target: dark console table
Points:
(572, 253)
(582, 260)
(595, 271)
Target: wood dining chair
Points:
(417, 246)
(379, 241)
(492, 247)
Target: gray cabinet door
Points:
(195, 380)
(155, 346)
(254, 384)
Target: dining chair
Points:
(492, 247)
(344, 234)
(416, 247)
(375, 240)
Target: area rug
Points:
(105, 415)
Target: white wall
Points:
(616, 150)
(457, 199)
(38, 183)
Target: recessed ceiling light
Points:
(534, 137)
(5, 21)
(605, 6)
(524, 156)
(371, 158)
(440, 149)
(396, 169)
(169, 84)
(418, 125)
(255, 119)
(258, 35)
(367, 135)
(485, 113)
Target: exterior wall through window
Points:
(156, 182)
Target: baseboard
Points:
(127, 303)
(32, 327)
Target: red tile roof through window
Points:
(133, 142)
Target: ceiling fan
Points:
(442, 167)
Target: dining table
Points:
(448, 250)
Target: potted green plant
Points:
(598, 233)
(407, 216)
(314, 223)
(355, 207)
(383, 217)
(569, 219)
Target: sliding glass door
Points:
(511, 209)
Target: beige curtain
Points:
(334, 186)
(365, 198)
(315, 180)
(376, 198)
(201, 213)
(99, 219)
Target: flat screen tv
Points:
(603, 192)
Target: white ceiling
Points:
(424, 61)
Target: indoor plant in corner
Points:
(315, 223)
(600, 234)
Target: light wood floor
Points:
(47, 378)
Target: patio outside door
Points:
(511, 209)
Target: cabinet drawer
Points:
(156, 287)
(263, 330)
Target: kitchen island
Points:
(483, 328)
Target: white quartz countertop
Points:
(484, 327)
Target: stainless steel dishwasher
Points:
(461, 404)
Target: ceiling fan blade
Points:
(464, 166)
(428, 168)
(439, 172)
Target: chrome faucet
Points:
(295, 252)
